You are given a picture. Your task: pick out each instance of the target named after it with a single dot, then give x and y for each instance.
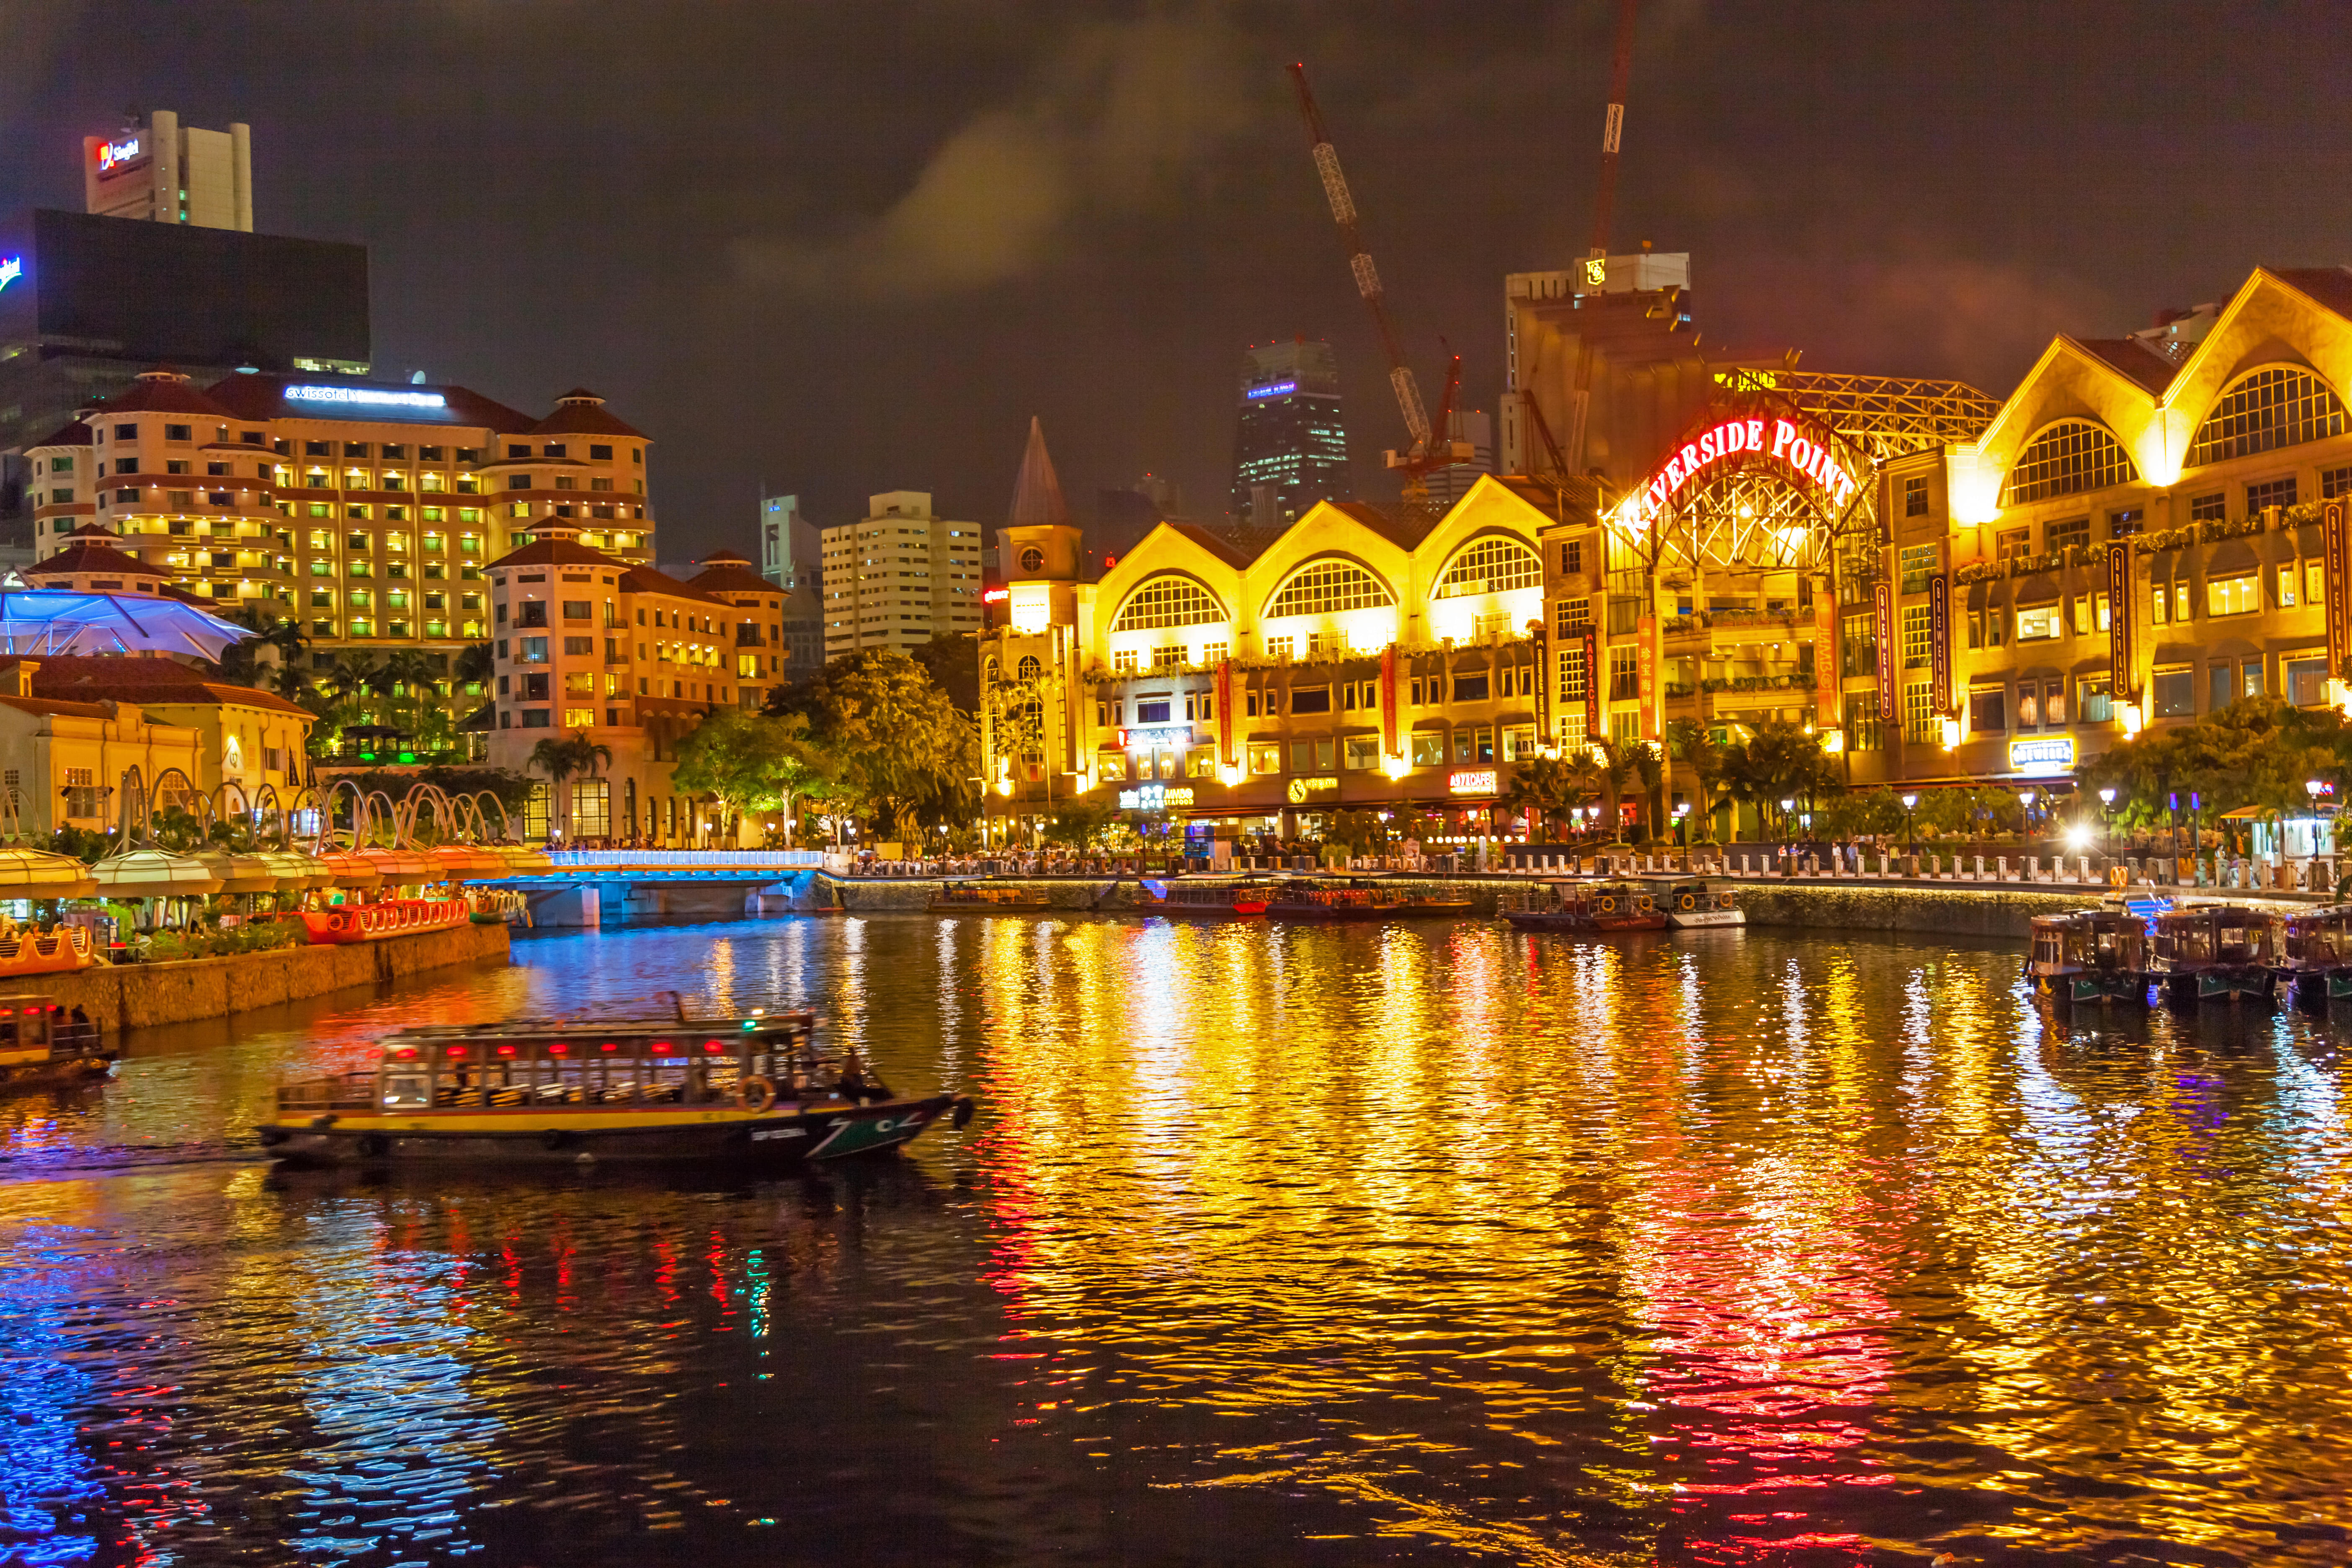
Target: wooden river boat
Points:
(42, 1047)
(2216, 952)
(1358, 898)
(2091, 955)
(989, 899)
(1592, 907)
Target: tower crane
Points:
(1604, 202)
(1431, 446)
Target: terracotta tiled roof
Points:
(728, 572)
(580, 412)
(161, 390)
(259, 398)
(2330, 286)
(89, 558)
(1402, 526)
(558, 553)
(645, 580)
(43, 705)
(146, 682)
(2132, 358)
(72, 433)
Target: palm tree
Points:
(475, 666)
(560, 758)
(1616, 767)
(1694, 742)
(1550, 787)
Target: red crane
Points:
(1432, 446)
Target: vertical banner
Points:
(2122, 686)
(1826, 668)
(1888, 709)
(1939, 644)
(1541, 691)
(1593, 728)
(1225, 753)
(2340, 587)
(1392, 743)
(1649, 690)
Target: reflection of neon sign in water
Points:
(11, 269)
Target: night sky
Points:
(844, 248)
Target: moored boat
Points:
(41, 1046)
(2091, 955)
(1211, 900)
(988, 898)
(1691, 903)
(2315, 953)
(1358, 898)
(2215, 952)
(1594, 907)
(26, 951)
(340, 923)
(751, 1091)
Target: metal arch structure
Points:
(1883, 416)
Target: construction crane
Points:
(1604, 201)
(1432, 447)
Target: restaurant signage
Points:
(1154, 797)
(2338, 581)
(1781, 441)
(1882, 606)
(1392, 744)
(1303, 790)
(1473, 780)
(1825, 659)
(1939, 643)
(1645, 664)
(2120, 684)
(2043, 755)
(1226, 753)
(1592, 730)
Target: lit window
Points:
(2033, 625)
(2233, 596)
(2069, 457)
(1328, 587)
(1490, 565)
(1167, 601)
(2283, 405)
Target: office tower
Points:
(899, 576)
(1290, 444)
(164, 172)
(791, 553)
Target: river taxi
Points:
(2315, 957)
(1593, 908)
(1691, 904)
(41, 1046)
(338, 924)
(989, 899)
(2216, 952)
(1358, 898)
(754, 1092)
(2091, 955)
(1209, 901)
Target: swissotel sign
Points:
(1788, 444)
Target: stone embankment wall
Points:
(138, 995)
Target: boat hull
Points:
(342, 923)
(1590, 925)
(2217, 984)
(783, 1137)
(2093, 987)
(1705, 920)
(987, 907)
(63, 1072)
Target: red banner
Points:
(1825, 659)
(1939, 643)
(1225, 753)
(1593, 729)
(1392, 743)
(2122, 683)
(2338, 579)
(1645, 664)
(1888, 707)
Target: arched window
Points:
(2283, 405)
(1028, 669)
(1168, 601)
(2067, 457)
(1491, 565)
(1327, 586)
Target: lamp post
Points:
(1682, 816)
(1788, 805)
(2026, 799)
(1910, 833)
(2106, 818)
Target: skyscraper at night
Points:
(1291, 449)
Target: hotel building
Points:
(899, 576)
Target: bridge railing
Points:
(780, 860)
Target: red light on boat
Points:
(506, 1050)
(608, 1046)
(557, 1049)
(661, 1048)
(713, 1046)
(407, 1053)
(457, 1050)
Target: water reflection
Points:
(1426, 1243)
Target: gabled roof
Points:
(2328, 286)
(88, 558)
(72, 433)
(147, 681)
(2135, 359)
(45, 706)
(1404, 525)
(1037, 491)
(558, 553)
(1233, 553)
(724, 572)
(580, 412)
(645, 580)
(259, 398)
(163, 391)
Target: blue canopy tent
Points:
(50, 622)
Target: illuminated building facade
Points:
(164, 172)
(1290, 449)
(364, 512)
(899, 576)
(1357, 658)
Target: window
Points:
(2287, 583)
(2209, 509)
(2270, 493)
(1470, 688)
(2220, 685)
(1571, 557)
(1311, 756)
(1327, 587)
(2283, 405)
(1313, 700)
(1110, 767)
(1915, 496)
(1572, 674)
(1988, 709)
(1624, 616)
(579, 610)
(2066, 534)
(1918, 636)
(1918, 564)
(2305, 679)
(2033, 625)
(2233, 596)
(2095, 698)
(2172, 692)
(1264, 758)
(1858, 644)
(1167, 601)
(533, 650)
(1428, 749)
(1918, 723)
(1123, 660)
(579, 646)
(2250, 677)
(2125, 523)
(1214, 652)
(1575, 615)
(1362, 752)
(2334, 482)
(1624, 674)
(1167, 656)
(2066, 459)
(2315, 583)
(1490, 565)
(2028, 706)
(1153, 711)
(1281, 647)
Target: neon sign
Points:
(113, 154)
(11, 269)
(1479, 781)
(1167, 736)
(367, 396)
(1787, 444)
(1275, 390)
(1154, 797)
(2048, 754)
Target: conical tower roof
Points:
(1037, 493)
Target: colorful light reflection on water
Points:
(1429, 1244)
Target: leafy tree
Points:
(894, 740)
(1779, 761)
(1085, 823)
(749, 761)
(560, 758)
(1694, 743)
(1551, 787)
(474, 665)
(2257, 752)
(952, 661)
(1617, 770)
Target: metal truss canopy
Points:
(1882, 416)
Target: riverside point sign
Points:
(1779, 441)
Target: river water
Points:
(1428, 1243)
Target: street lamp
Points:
(1682, 815)
(1910, 833)
(1788, 805)
(2026, 799)
(2106, 818)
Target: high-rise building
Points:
(791, 553)
(1450, 483)
(1291, 450)
(899, 576)
(164, 172)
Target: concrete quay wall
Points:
(139, 995)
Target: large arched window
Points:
(2067, 457)
(1325, 586)
(1491, 565)
(2280, 405)
(1168, 601)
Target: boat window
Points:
(404, 1091)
